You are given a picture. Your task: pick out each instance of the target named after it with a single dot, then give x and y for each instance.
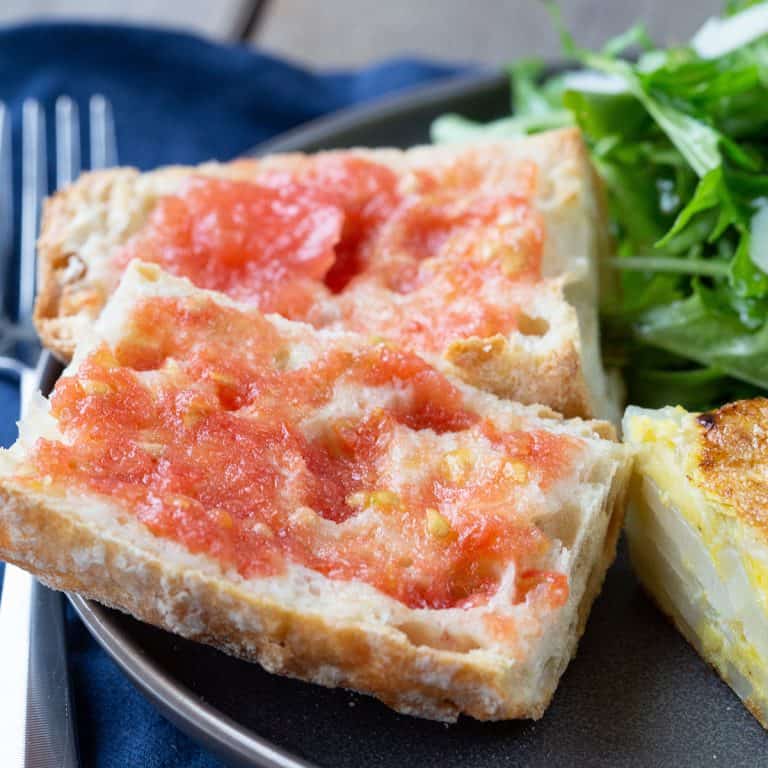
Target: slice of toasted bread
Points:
(698, 533)
(336, 510)
(483, 257)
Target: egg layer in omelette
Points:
(698, 533)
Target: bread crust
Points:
(496, 366)
(69, 554)
(102, 210)
(429, 662)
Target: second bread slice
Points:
(483, 258)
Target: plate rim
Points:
(175, 701)
(375, 111)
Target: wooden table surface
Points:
(339, 33)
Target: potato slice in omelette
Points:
(698, 533)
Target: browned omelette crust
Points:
(732, 459)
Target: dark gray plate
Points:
(636, 695)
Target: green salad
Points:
(680, 139)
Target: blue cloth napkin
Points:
(176, 99)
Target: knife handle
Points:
(37, 728)
(51, 731)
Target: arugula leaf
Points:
(702, 387)
(529, 96)
(732, 7)
(450, 129)
(635, 36)
(747, 280)
(688, 328)
(706, 197)
(698, 142)
(601, 115)
(680, 140)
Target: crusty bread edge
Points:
(597, 557)
(555, 378)
(412, 679)
(55, 331)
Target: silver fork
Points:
(37, 726)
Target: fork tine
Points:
(37, 725)
(34, 186)
(7, 331)
(102, 133)
(67, 141)
(6, 201)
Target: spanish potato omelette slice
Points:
(698, 533)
